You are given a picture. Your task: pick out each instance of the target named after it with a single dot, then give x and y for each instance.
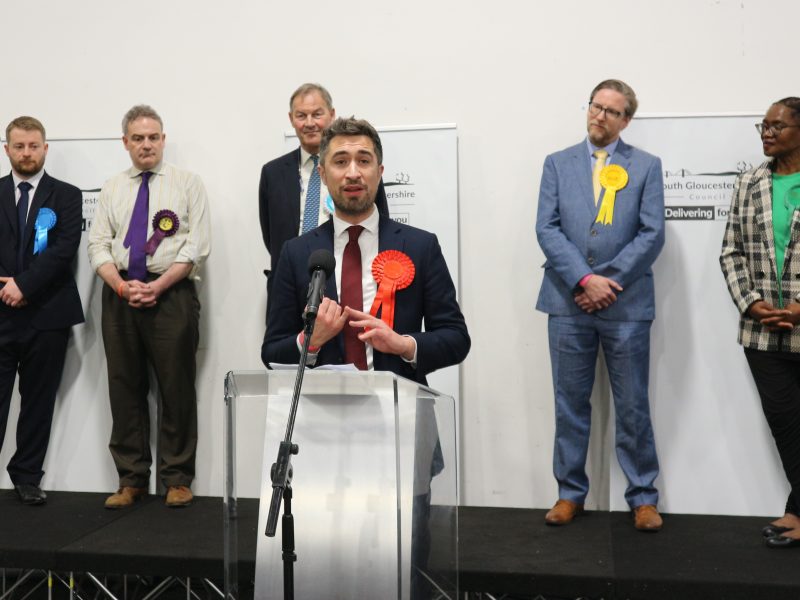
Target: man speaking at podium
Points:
(351, 326)
(414, 287)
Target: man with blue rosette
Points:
(150, 235)
(40, 229)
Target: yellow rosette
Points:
(612, 178)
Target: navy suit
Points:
(279, 204)
(33, 339)
(430, 299)
(575, 245)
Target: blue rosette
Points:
(330, 208)
(45, 221)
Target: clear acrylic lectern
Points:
(374, 484)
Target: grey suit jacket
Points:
(575, 245)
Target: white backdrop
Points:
(514, 75)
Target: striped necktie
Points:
(311, 210)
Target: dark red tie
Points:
(353, 296)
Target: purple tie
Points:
(136, 237)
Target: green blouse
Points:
(785, 200)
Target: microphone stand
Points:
(281, 473)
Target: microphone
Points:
(321, 264)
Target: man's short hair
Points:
(793, 104)
(309, 88)
(138, 112)
(631, 103)
(26, 124)
(350, 126)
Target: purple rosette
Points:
(165, 224)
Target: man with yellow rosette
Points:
(389, 277)
(600, 224)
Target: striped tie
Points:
(311, 210)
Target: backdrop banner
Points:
(716, 452)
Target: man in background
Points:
(292, 199)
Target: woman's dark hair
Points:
(793, 104)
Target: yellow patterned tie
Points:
(601, 156)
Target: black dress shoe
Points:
(30, 494)
(780, 541)
(773, 530)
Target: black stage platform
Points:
(502, 550)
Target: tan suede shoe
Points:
(563, 512)
(125, 497)
(178, 496)
(646, 518)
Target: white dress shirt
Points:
(33, 180)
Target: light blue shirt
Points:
(610, 149)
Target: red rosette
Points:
(392, 270)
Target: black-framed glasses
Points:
(764, 127)
(595, 109)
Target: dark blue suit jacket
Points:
(46, 280)
(429, 300)
(279, 203)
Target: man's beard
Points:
(31, 167)
(355, 206)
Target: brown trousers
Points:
(166, 337)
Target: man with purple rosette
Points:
(150, 235)
(40, 229)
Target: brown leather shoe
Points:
(646, 518)
(125, 496)
(178, 496)
(563, 512)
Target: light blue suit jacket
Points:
(575, 245)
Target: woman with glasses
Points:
(761, 263)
